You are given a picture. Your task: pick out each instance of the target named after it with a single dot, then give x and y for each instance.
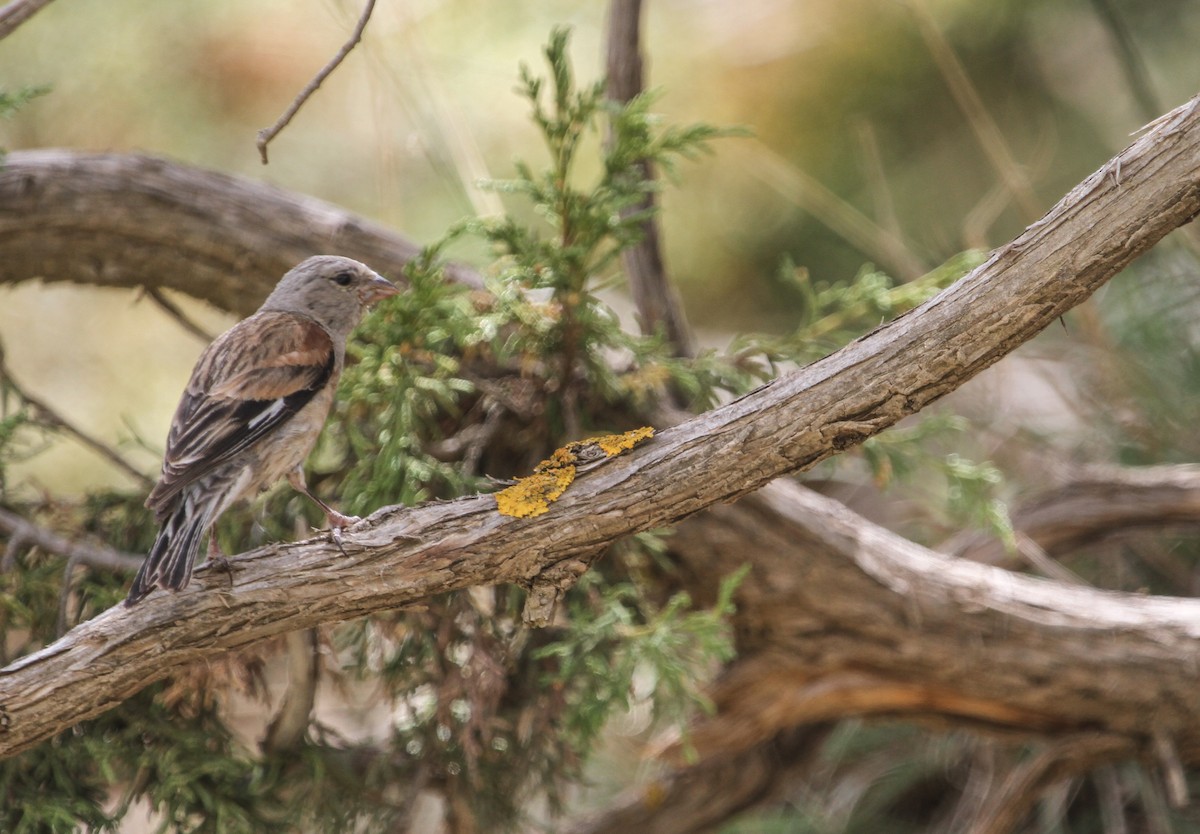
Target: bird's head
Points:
(333, 290)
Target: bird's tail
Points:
(169, 564)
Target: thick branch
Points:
(402, 555)
(126, 221)
(1094, 502)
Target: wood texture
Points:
(1014, 625)
(119, 220)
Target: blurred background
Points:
(883, 132)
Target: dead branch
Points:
(132, 221)
(268, 133)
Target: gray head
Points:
(332, 290)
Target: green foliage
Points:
(617, 644)
(10, 426)
(405, 382)
(11, 102)
(929, 452)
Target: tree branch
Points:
(268, 133)
(17, 12)
(658, 304)
(1094, 502)
(127, 221)
(22, 532)
(399, 556)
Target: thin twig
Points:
(1062, 759)
(657, 301)
(55, 420)
(1172, 769)
(26, 532)
(268, 133)
(17, 12)
(1041, 560)
(835, 213)
(64, 598)
(1130, 57)
(876, 178)
(181, 318)
(1111, 800)
(987, 133)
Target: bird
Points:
(252, 410)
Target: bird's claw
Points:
(338, 523)
(220, 563)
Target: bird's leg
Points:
(216, 559)
(337, 521)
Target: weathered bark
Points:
(1094, 502)
(119, 220)
(17, 12)
(840, 617)
(953, 635)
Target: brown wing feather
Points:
(249, 381)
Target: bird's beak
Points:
(377, 289)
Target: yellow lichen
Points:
(531, 496)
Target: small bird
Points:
(253, 409)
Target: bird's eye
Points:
(343, 279)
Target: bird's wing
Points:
(246, 384)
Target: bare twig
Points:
(877, 184)
(843, 219)
(1130, 59)
(181, 318)
(64, 598)
(268, 133)
(55, 420)
(658, 304)
(1007, 806)
(1040, 559)
(1172, 769)
(17, 12)
(1111, 800)
(988, 134)
(26, 532)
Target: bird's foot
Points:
(337, 523)
(219, 563)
